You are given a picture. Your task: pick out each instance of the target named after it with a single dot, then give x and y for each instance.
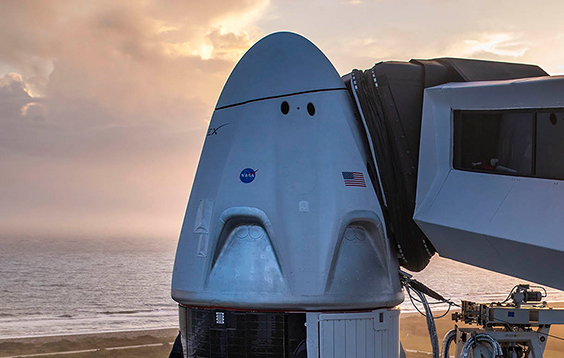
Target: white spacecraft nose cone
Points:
(272, 198)
(280, 64)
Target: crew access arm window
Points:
(512, 142)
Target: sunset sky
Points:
(104, 104)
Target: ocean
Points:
(71, 286)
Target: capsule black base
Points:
(211, 333)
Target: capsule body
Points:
(282, 213)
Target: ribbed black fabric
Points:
(390, 95)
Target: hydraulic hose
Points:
(447, 340)
(479, 338)
(430, 324)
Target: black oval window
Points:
(285, 107)
(310, 109)
(553, 119)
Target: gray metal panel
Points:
(339, 337)
(361, 332)
(369, 339)
(350, 344)
(326, 340)
(550, 145)
(551, 316)
(354, 334)
(482, 70)
(509, 315)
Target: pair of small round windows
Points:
(285, 108)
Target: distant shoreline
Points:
(101, 334)
(145, 343)
(159, 331)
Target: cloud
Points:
(371, 31)
(501, 45)
(16, 101)
(128, 57)
(104, 104)
(104, 112)
(228, 45)
(12, 86)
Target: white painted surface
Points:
(293, 192)
(510, 224)
(373, 334)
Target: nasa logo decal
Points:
(247, 175)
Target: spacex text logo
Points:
(213, 130)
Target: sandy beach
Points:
(158, 343)
(130, 344)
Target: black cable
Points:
(412, 299)
(542, 288)
(449, 337)
(431, 327)
(301, 350)
(550, 335)
(413, 303)
(447, 302)
(424, 315)
(510, 293)
(444, 314)
(431, 303)
(419, 287)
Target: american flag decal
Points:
(354, 179)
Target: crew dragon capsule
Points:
(283, 223)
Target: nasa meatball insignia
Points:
(247, 175)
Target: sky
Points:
(104, 105)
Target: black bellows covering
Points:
(393, 123)
(390, 100)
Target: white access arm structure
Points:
(495, 219)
